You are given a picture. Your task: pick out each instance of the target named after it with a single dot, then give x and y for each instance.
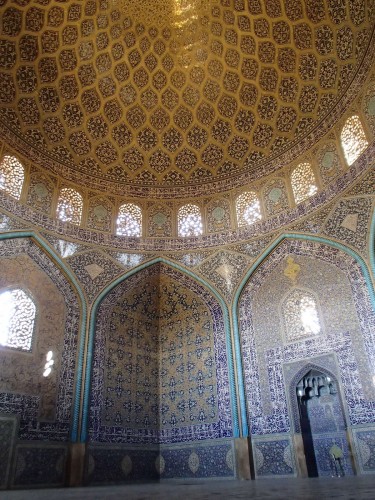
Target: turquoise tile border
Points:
(90, 349)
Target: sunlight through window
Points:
(17, 319)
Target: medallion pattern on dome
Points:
(41, 190)
(159, 220)
(275, 196)
(207, 69)
(100, 214)
(218, 215)
(329, 162)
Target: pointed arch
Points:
(250, 272)
(91, 338)
(310, 365)
(56, 259)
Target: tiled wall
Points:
(273, 456)
(197, 442)
(160, 363)
(195, 460)
(44, 405)
(343, 348)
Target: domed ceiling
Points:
(173, 97)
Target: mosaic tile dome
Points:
(174, 97)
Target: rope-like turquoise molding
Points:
(54, 257)
(257, 263)
(90, 349)
(372, 245)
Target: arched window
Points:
(69, 206)
(189, 221)
(247, 208)
(129, 220)
(303, 182)
(12, 175)
(353, 139)
(300, 313)
(17, 319)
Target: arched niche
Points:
(320, 418)
(160, 363)
(340, 283)
(44, 403)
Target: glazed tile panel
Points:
(196, 460)
(160, 365)
(43, 404)
(346, 332)
(40, 465)
(273, 457)
(364, 439)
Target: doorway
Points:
(323, 425)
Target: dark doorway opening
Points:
(323, 425)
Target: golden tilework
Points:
(159, 357)
(170, 93)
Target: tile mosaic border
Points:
(44, 460)
(27, 214)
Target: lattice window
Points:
(189, 220)
(353, 139)
(17, 319)
(303, 182)
(129, 220)
(300, 312)
(12, 175)
(247, 208)
(69, 206)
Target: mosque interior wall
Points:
(157, 356)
